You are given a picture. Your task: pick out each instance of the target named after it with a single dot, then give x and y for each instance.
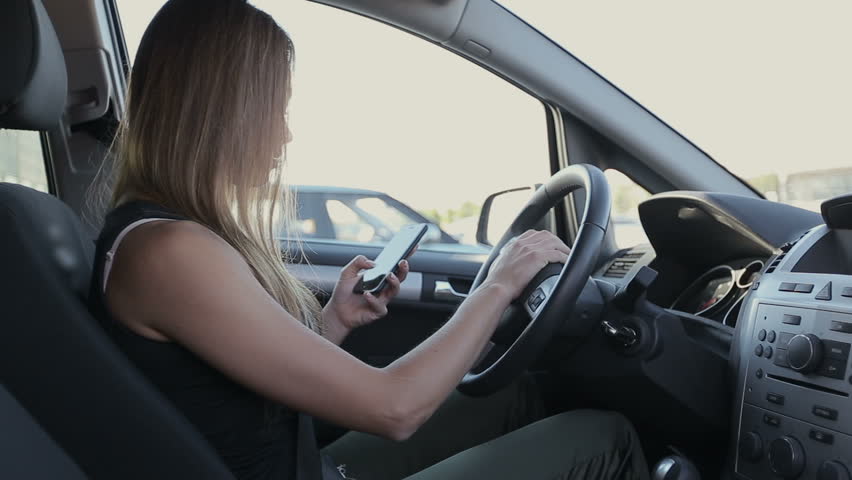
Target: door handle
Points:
(445, 291)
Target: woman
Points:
(190, 283)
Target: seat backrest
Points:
(55, 360)
(26, 451)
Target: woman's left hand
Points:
(347, 310)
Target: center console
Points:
(793, 409)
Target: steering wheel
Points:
(532, 320)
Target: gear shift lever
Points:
(675, 467)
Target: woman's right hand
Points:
(523, 257)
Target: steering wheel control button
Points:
(775, 398)
(751, 447)
(821, 437)
(833, 470)
(771, 420)
(825, 293)
(786, 457)
(787, 287)
(536, 298)
(771, 336)
(825, 412)
(761, 335)
(804, 353)
(841, 327)
(791, 319)
(804, 288)
(767, 352)
(758, 350)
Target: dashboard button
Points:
(784, 339)
(791, 287)
(771, 336)
(781, 358)
(751, 447)
(825, 412)
(847, 292)
(761, 335)
(767, 352)
(804, 288)
(771, 420)
(755, 285)
(825, 293)
(833, 470)
(792, 319)
(821, 437)
(758, 350)
(837, 350)
(833, 368)
(775, 398)
(786, 457)
(841, 327)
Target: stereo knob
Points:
(833, 470)
(804, 353)
(751, 447)
(786, 457)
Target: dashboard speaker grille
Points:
(622, 265)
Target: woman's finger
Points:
(354, 267)
(377, 306)
(391, 288)
(402, 271)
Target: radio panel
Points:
(796, 420)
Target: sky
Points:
(763, 86)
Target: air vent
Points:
(622, 265)
(784, 249)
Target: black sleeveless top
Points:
(256, 439)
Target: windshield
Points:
(761, 86)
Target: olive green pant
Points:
(503, 436)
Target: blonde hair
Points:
(205, 130)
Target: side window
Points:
(22, 159)
(429, 134)
(626, 196)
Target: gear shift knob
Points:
(675, 467)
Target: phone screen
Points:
(398, 248)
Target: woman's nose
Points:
(288, 135)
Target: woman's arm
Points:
(179, 281)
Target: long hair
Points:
(205, 130)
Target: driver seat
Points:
(55, 361)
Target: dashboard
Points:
(780, 280)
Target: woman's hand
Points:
(346, 310)
(523, 257)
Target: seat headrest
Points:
(54, 230)
(33, 79)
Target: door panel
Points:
(413, 315)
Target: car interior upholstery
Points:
(110, 420)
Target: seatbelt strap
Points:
(308, 465)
